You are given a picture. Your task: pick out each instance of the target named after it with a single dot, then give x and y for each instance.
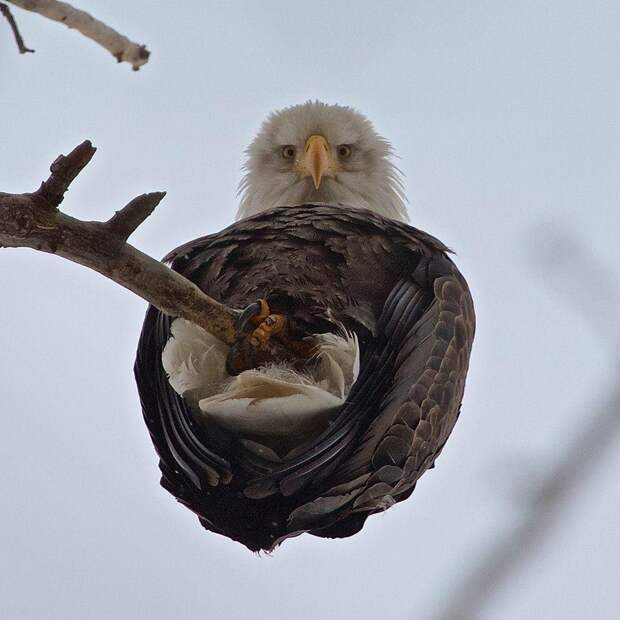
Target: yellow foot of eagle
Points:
(263, 337)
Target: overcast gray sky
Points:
(506, 117)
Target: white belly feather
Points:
(271, 401)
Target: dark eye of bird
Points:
(288, 151)
(344, 151)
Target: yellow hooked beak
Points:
(316, 159)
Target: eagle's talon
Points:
(254, 313)
(269, 340)
(255, 328)
(274, 324)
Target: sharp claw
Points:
(261, 337)
(249, 312)
(251, 315)
(259, 308)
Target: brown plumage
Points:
(323, 266)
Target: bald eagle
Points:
(263, 450)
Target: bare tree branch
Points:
(34, 221)
(4, 9)
(118, 45)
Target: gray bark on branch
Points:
(118, 45)
(34, 221)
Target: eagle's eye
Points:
(288, 151)
(344, 151)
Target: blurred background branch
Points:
(591, 289)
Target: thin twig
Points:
(118, 45)
(64, 169)
(21, 46)
(124, 222)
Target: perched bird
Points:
(263, 449)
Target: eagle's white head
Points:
(320, 153)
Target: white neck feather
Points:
(383, 196)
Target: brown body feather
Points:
(322, 265)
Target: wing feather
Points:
(417, 412)
(412, 312)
